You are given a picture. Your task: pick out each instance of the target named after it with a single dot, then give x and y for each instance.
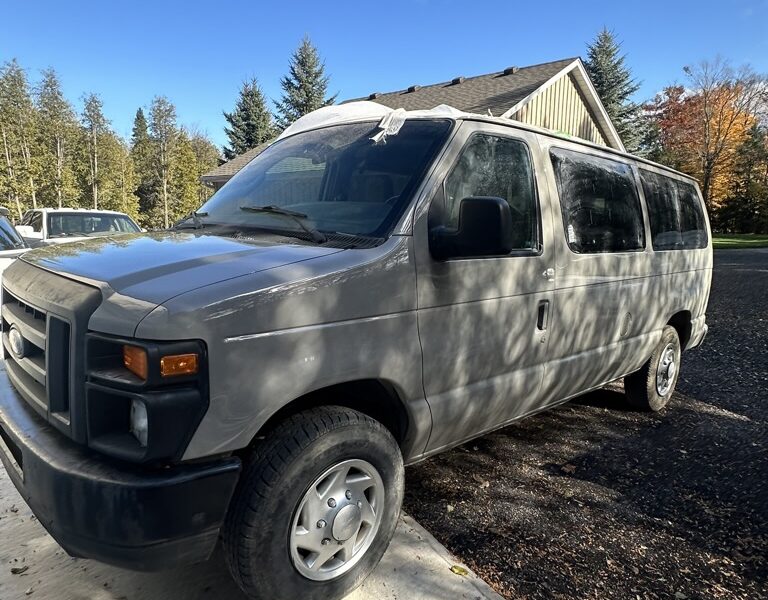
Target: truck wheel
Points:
(652, 386)
(316, 506)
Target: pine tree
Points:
(745, 210)
(615, 85)
(145, 177)
(57, 135)
(305, 87)
(116, 177)
(18, 126)
(250, 124)
(95, 126)
(9, 179)
(184, 179)
(207, 157)
(164, 134)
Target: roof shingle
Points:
(228, 169)
(496, 92)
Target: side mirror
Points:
(484, 229)
(31, 237)
(27, 231)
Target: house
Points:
(556, 95)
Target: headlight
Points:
(144, 398)
(139, 422)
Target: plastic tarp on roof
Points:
(360, 111)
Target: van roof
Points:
(582, 142)
(370, 111)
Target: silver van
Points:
(366, 293)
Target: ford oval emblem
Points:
(18, 344)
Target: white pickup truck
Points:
(45, 226)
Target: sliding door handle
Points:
(542, 319)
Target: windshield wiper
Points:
(194, 216)
(299, 218)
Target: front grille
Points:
(41, 374)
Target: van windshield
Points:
(333, 180)
(9, 237)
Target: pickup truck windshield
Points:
(88, 224)
(334, 179)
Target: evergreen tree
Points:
(164, 134)
(145, 177)
(183, 178)
(95, 128)
(250, 124)
(116, 185)
(18, 128)
(57, 134)
(305, 87)
(745, 210)
(207, 157)
(9, 179)
(615, 85)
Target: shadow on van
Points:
(594, 500)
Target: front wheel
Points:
(316, 506)
(652, 386)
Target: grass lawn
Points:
(739, 240)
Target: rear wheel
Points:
(316, 506)
(652, 386)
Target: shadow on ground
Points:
(595, 500)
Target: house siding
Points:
(561, 108)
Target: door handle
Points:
(542, 319)
(549, 274)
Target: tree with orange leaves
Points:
(701, 127)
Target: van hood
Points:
(155, 267)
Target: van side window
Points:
(601, 206)
(501, 167)
(693, 226)
(677, 219)
(661, 198)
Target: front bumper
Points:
(96, 507)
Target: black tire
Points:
(641, 386)
(281, 469)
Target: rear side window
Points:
(661, 198)
(675, 213)
(501, 167)
(600, 204)
(693, 226)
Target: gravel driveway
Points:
(593, 500)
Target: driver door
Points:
(483, 321)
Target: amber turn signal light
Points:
(135, 360)
(178, 364)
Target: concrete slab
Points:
(416, 567)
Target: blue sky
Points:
(198, 53)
